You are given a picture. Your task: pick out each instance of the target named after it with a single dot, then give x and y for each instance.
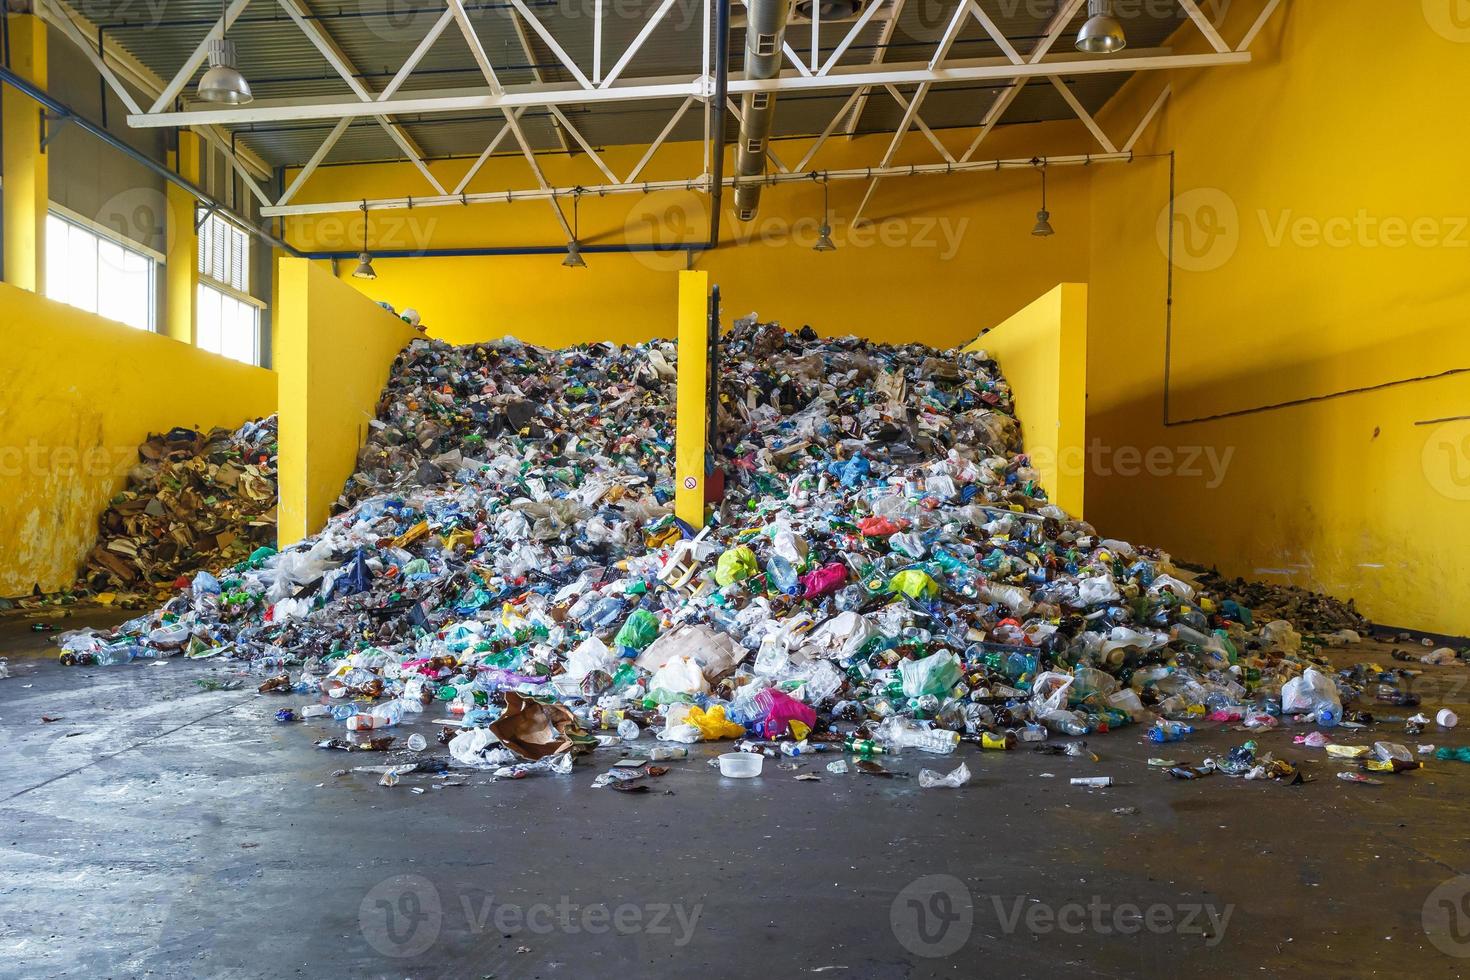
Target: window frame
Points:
(154, 258)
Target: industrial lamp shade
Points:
(574, 256)
(824, 239)
(1102, 34)
(364, 268)
(1043, 227)
(223, 82)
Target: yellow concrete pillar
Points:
(692, 421)
(25, 193)
(181, 266)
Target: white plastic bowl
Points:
(741, 765)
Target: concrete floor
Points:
(158, 830)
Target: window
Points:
(224, 253)
(97, 273)
(227, 325)
(227, 316)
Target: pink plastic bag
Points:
(778, 710)
(828, 578)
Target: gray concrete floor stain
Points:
(159, 830)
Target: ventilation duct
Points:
(764, 31)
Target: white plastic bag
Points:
(680, 675)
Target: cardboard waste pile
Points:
(194, 501)
(884, 572)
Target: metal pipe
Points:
(40, 95)
(765, 35)
(722, 85)
(484, 250)
(698, 184)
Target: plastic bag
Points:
(929, 779)
(828, 578)
(735, 565)
(780, 712)
(915, 584)
(639, 631)
(1312, 693)
(679, 675)
(935, 674)
(712, 724)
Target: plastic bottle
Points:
(939, 741)
(782, 574)
(313, 711)
(663, 753)
(1169, 731)
(1065, 722)
(380, 716)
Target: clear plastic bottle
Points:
(939, 741)
(380, 716)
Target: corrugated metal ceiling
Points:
(377, 36)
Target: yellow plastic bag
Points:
(735, 565)
(914, 584)
(712, 724)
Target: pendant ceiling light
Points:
(223, 82)
(1043, 227)
(1102, 34)
(824, 234)
(574, 247)
(364, 268)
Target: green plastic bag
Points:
(639, 631)
(735, 565)
(915, 584)
(936, 674)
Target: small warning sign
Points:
(690, 482)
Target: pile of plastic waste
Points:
(884, 572)
(193, 501)
(1309, 610)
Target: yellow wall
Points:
(1354, 494)
(957, 247)
(1042, 351)
(334, 352)
(80, 394)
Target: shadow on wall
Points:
(1346, 496)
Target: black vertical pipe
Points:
(722, 88)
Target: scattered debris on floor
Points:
(884, 574)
